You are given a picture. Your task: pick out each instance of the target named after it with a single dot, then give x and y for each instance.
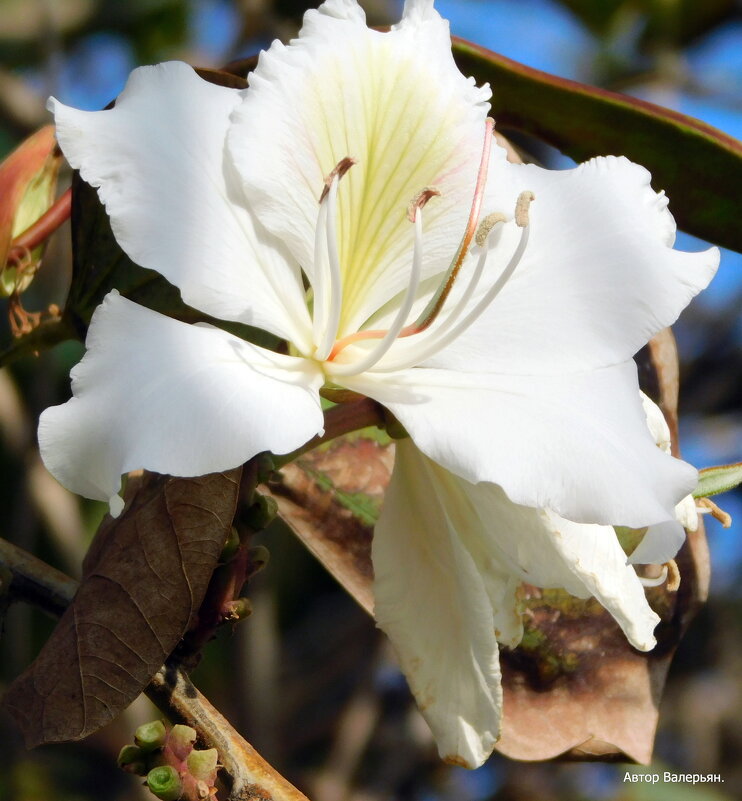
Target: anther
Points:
(420, 200)
(338, 171)
(521, 208)
(486, 226)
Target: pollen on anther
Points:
(338, 171)
(486, 226)
(420, 199)
(522, 205)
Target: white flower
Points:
(520, 376)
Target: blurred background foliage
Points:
(307, 679)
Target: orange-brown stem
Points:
(44, 227)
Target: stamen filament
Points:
(319, 279)
(330, 329)
(401, 317)
(452, 329)
(655, 582)
(433, 308)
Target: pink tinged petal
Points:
(599, 276)
(176, 205)
(577, 444)
(393, 101)
(156, 393)
(432, 603)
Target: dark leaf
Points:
(698, 166)
(144, 578)
(330, 498)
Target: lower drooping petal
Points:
(159, 394)
(431, 601)
(577, 444)
(598, 278)
(537, 546)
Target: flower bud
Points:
(150, 736)
(165, 783)
(231, 545)
(133, 760)
(202, 765)
(261, 513)
(181, 740)
(28, 180)
(258, 558)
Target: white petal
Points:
(593, 555)
(395, 102)
(535, 545)
(432, 603)
(577, 444)
(175, 203)
(598, 279)
(660, 543)
(686, 513)
(186, 400)
(656, 423)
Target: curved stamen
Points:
(327, 281)
(401, 317)
(416, 205)
(319, 279)
(433, 308)
(654, 582)
(451, 328)
(330, 328)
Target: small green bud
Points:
(258, 558)
(181, 740)
(165, 783)
(238, 609)
(261, 513)
(133, 760)
(266, 466)
(202, 765)
(150, 736)
(231, 545)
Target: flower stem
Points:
(46, 225)
(339, 420)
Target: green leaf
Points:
(698, 166)
(713, 480)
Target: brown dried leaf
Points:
(144, 578)
(330, 498)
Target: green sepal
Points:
(714, 480)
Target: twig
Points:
(250, 777)
(36, 582)
(45, 226)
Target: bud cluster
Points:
(173, 768)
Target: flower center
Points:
(328, 285)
